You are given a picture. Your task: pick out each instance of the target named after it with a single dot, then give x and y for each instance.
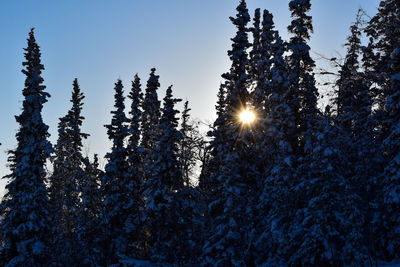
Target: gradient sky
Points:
(101, 41)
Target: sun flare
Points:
(247, 116)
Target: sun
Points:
(247, 116)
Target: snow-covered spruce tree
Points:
(150, 118)
(302, 95)
(239, 137)
(302, 99)
(271, 46)
(237, 78)
(262, 90)
(25, 228)
(163, 218)
(275, 204)
(391, 176)
(238, 188)
(68, 175)
(134, 223)
(115, 183)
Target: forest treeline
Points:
(299, 186)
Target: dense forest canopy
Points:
(276, 181)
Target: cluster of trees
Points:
(298, 187)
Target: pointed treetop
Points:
(267, 23)
(32, 34)
(136, 94)
(33, 71)
(153, 80)
(169, 102)
(302, 23)
(117, 130)
(151, 112)
(25, 224)
(136, 114)
(168, 110)
(237, 77)
(243, 16)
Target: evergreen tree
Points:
(162, 212)
(275, 202)
(116, 183)
(136, 96)
(302, 95)
(134, 223)
(237, 78)
(262, 91)
(237, 189)
(67, 178)
(150, 119)
(263, 61)
(272, 48)
(25, 227)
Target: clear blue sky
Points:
(100, 41)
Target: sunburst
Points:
(247, 116)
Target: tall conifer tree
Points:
(274, 206)
(134, 223)
(302, 95)
(151, 114)
(116, 183)
(67, 178)
(237, 188)
(25, 227)
(162, 211)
